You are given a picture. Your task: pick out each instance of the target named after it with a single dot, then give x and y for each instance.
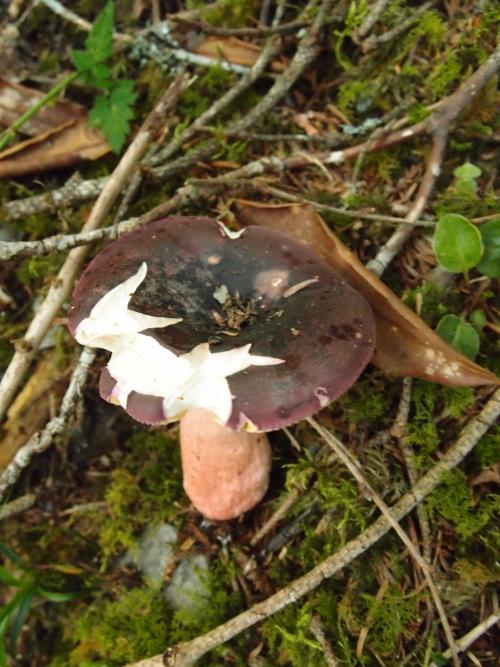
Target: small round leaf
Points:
(490, 261)
(467, 171)
(457, 243)
(459, 334)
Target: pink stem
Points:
(226, 472)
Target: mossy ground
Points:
(125, 478)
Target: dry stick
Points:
(373, 41)
(355, 469)
(27, 347)
(70, 16)
(186, 654)
(439, 124)
(307, 51)
(319, 633)
(371, 19)
(473, 635)
(270, 50)
(398, 431)
(16, 506)
(41, 440)
(276, 517)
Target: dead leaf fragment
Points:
(16, 99)
(406, 346)
(31, 409)
(59, 147)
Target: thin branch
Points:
(473, 635)
(16, 506)
(439, 125)
(355, 469)
(373, 41)
(59, 291)
(398, 431)
(186, 654)
(41, 440)
(70, 16)
(319, 633)
(371, 18)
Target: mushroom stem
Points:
(226, 472)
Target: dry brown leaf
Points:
(16, 99)
(59, 147)
(233, 50)
(31, 409)
(406, 346)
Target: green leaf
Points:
(54, 596)
(81, 60)
(112, 113)
(467, 172)
(465, 187)
(457, 243)
(8, 579)
(490, 261)
(99, 43)
(459, 334)
(478, 319)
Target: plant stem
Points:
(7, 135)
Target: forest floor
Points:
(382, 118)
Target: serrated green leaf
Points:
(490, 261)
(459, 334)
(99, 42)
(82, 60)
(112, 113)
(467, 171)
(457, 243)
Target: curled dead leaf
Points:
(406, 346)
(59, 147)
(16, 99)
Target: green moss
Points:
(457, 400)
(366, 402)
(211, 84)
(145, 489)
(454, 501)
(487, 450)
(35, 269)
(231, 13)
(130, 627)
(421, 430)
(444, 76)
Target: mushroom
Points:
(233, 333)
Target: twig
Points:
(16, 506)
(439, 125)
(276, 517)
(62, 242)
(319, 633)
(186, 654)
(41, 440)
(270, 50)
(373, 41)
(7, 135)
(355, 469)
(398, 431)
(61, 287)
(356, 215)
(473, 635)
(70, 16)
(371, 18)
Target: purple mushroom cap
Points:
(262, 288)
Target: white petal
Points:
(145, 366)
(209, 392)
(223, 364)
(111, 318)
